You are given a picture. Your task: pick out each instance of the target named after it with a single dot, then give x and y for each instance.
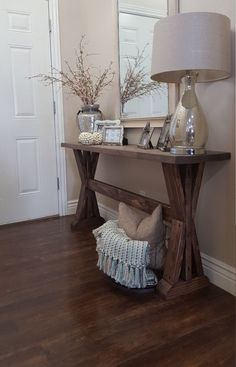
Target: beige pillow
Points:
(144, 227)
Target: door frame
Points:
(53, 7)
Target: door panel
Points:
(28, 184)
(136, 33)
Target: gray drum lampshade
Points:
(197, 42)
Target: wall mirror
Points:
(136, 19)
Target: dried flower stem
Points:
(80, 80)
(135, 83)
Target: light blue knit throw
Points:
(123, 259)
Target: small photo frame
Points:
(113, 135)
(99, 124)
(163, 140)
(145, 138)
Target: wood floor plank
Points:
(29, 357)
(58, 310)
(208, 346)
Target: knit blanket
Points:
(123, 259)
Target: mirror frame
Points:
(173, 93)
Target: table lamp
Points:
(190, 47)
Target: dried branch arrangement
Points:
(135, 82)
(80, 80)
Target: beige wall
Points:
(216, 210)
(215, 214)
(97, 20)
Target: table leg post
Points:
(183, 268)
(87, 209)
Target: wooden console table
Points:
(183, 272)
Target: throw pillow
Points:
(141, 226)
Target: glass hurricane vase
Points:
(87, 116)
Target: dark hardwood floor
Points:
(57, 309)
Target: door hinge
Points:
(58, 184)
(54, 108)
(50, 25)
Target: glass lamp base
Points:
(188, 129)
(186, 150)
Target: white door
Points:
(28, 175)
(136, 33)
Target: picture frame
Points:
(163, 141)
(145, 138)
(113, 135)
(100, 124)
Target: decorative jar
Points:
(87, 116)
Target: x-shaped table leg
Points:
(183, 271)
(87, 208)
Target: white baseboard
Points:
(219, 273)
(105, 212)
(71, 207)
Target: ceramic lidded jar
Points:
(87, 116)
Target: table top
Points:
(132, 151)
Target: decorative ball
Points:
(86, 138)
(97, 138)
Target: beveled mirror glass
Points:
(141, 98)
